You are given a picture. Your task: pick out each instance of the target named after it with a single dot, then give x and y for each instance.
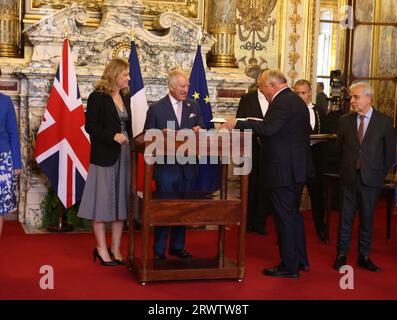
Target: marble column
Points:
(10, 28)
(223, 27)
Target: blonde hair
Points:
(112, 70)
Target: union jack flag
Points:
(62, 145)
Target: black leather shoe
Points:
(180, 254)
(340, 261)
(118, 262)
(304, 268)
(366, 263)
(277, 272)
(95, 254)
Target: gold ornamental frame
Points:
(191, 9)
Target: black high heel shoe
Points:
(95, 254)
(117, 261)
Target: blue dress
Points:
(10, 157)
(8, 184)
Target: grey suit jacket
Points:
(377, 150)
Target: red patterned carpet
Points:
(76, 277)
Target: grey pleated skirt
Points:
(107, 190)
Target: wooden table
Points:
(221, 212)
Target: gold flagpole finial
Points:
(132, 34)
(200, 37)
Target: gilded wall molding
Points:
(187, 8)
(312, 28)
(93, 5)
(191, 9)
(295, 19)
(35, 10)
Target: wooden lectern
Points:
(221, 212)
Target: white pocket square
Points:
(192, 115)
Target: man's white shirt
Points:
(263, 103)
(312, 115)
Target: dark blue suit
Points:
(172, 179)
(285, 131)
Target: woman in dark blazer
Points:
(107, 190)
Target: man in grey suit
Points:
(366, 147)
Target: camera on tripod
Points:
(338, 94)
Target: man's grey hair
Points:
(173, 74)
(367, 89)
(274, 76)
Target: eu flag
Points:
(208, 179)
